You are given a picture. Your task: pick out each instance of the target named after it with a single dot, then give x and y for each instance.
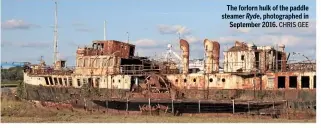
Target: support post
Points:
(173, 106)
(273, 105)
(107, 105)
(199, 106)
(127, 105)
(233, 106)
(85, 104)
(150, 107)
(287, 109)
(248, 107)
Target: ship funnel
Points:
(185, 48)
(216, 56)
(212, 52)
(208, 45)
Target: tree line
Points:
(12, 74)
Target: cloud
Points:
(25, 44)
(53, 26)
(228, 39)
(84, 30)
(192, 39)
(82, 27)
(15, 24)
(287, 40)
(238, 31)
(173, 29)
(244, 30)
(77, 24)
(145, 43)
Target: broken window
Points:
(65, 80)
(99, 46)
(97, 82)
(94, 46)
(78, 82)
(70, 81)
(55, 81)
(84, 81)
(305, 81)
(91, 63)
(60, 81)
(314, 82)
(104, 62)
(281, 82)
(293, 82)
(90, 82)
(242, 57)
(131, 51)
(50, 80)
(86, 62)
(109, 63)
(47, 82)
(98, 62)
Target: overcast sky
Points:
(27, 26)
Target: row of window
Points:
(293, 81)
(210, 80)
(58, 81)
(89, 80)
(91, 62)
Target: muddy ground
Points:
(16, 110)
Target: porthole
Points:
(176, 80)
(113, 81)
(185, 80)
(194, 80)
(223, 80)
(211, 79)
(119, 80)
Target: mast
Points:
(104, 29)
(127, 37)
(55, 35)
